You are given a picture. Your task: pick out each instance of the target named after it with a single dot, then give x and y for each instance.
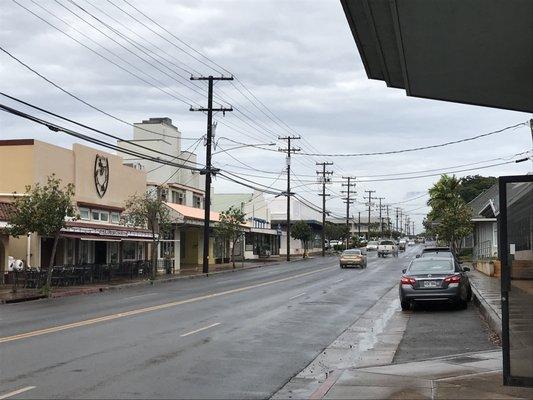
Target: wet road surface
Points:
(237, 335)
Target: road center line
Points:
(200, 330)
(144, 310)
(298, 295)
(15, 392)
(340, 280)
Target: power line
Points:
(133, 143)
(57, 86)
(417, 148)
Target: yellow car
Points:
(353, 257)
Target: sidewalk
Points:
(24, 294)
(343, 371)
(486, 295)
(469, 376)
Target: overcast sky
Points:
(297, 57)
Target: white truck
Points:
(386, 247)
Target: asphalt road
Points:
(236, 335)
(436, 330)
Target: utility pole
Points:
(380, 219)
(289, 150)
(369, 207)
(413, 231)
(208, 169)
(401, 221)
(397, 210)
(359, 226)
(325, 180)
(348, 200)
(388, 221)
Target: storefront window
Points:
(140, 251)
(96, 215)
(69, 251)
(128, 250)
(112, 251)
(86, 251)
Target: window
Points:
(104, 216)
(95, 215)
(178, 197)
(86, 252)
(197, 201)
(69, 251)
(128, 250)
(112, 252)
(84, 213)
(115, 217)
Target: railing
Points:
(483, 250)
(72, 275)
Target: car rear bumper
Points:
(352, 263)
(408, 293)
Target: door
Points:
(100, 252)
(515, 229)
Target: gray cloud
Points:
(298, 57)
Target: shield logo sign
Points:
(101, 174)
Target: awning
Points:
(108, 232)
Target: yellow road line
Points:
(144, 310)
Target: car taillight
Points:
(407, 280)
(453, 279)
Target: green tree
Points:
(230, 228)
(449, 217)
(473, 185)
(43, 210)
(302, 231)
(149, 211)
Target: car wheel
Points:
(462, 304)
(342, 266)
(405, 305)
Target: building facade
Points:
(102, 186)
(260, 240)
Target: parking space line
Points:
(200, 329)
(15, 392)
(298, 295)
(340, 280)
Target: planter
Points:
(485, 266)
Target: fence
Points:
(483, 251)
(72, 275)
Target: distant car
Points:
(386, 247)
(372, 245)
(411, 243)
(352, 257)
(438, 252)
(402, 243)
(435, 279)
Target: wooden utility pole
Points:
(325, 179)
(208, 169)
(369, 207)
(380, 219)
(348, 200)
(289, 150)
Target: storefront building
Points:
(102, 186)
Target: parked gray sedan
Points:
(435, 279)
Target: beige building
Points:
(102, 186)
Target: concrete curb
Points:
(491, 316)
(93, 290)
